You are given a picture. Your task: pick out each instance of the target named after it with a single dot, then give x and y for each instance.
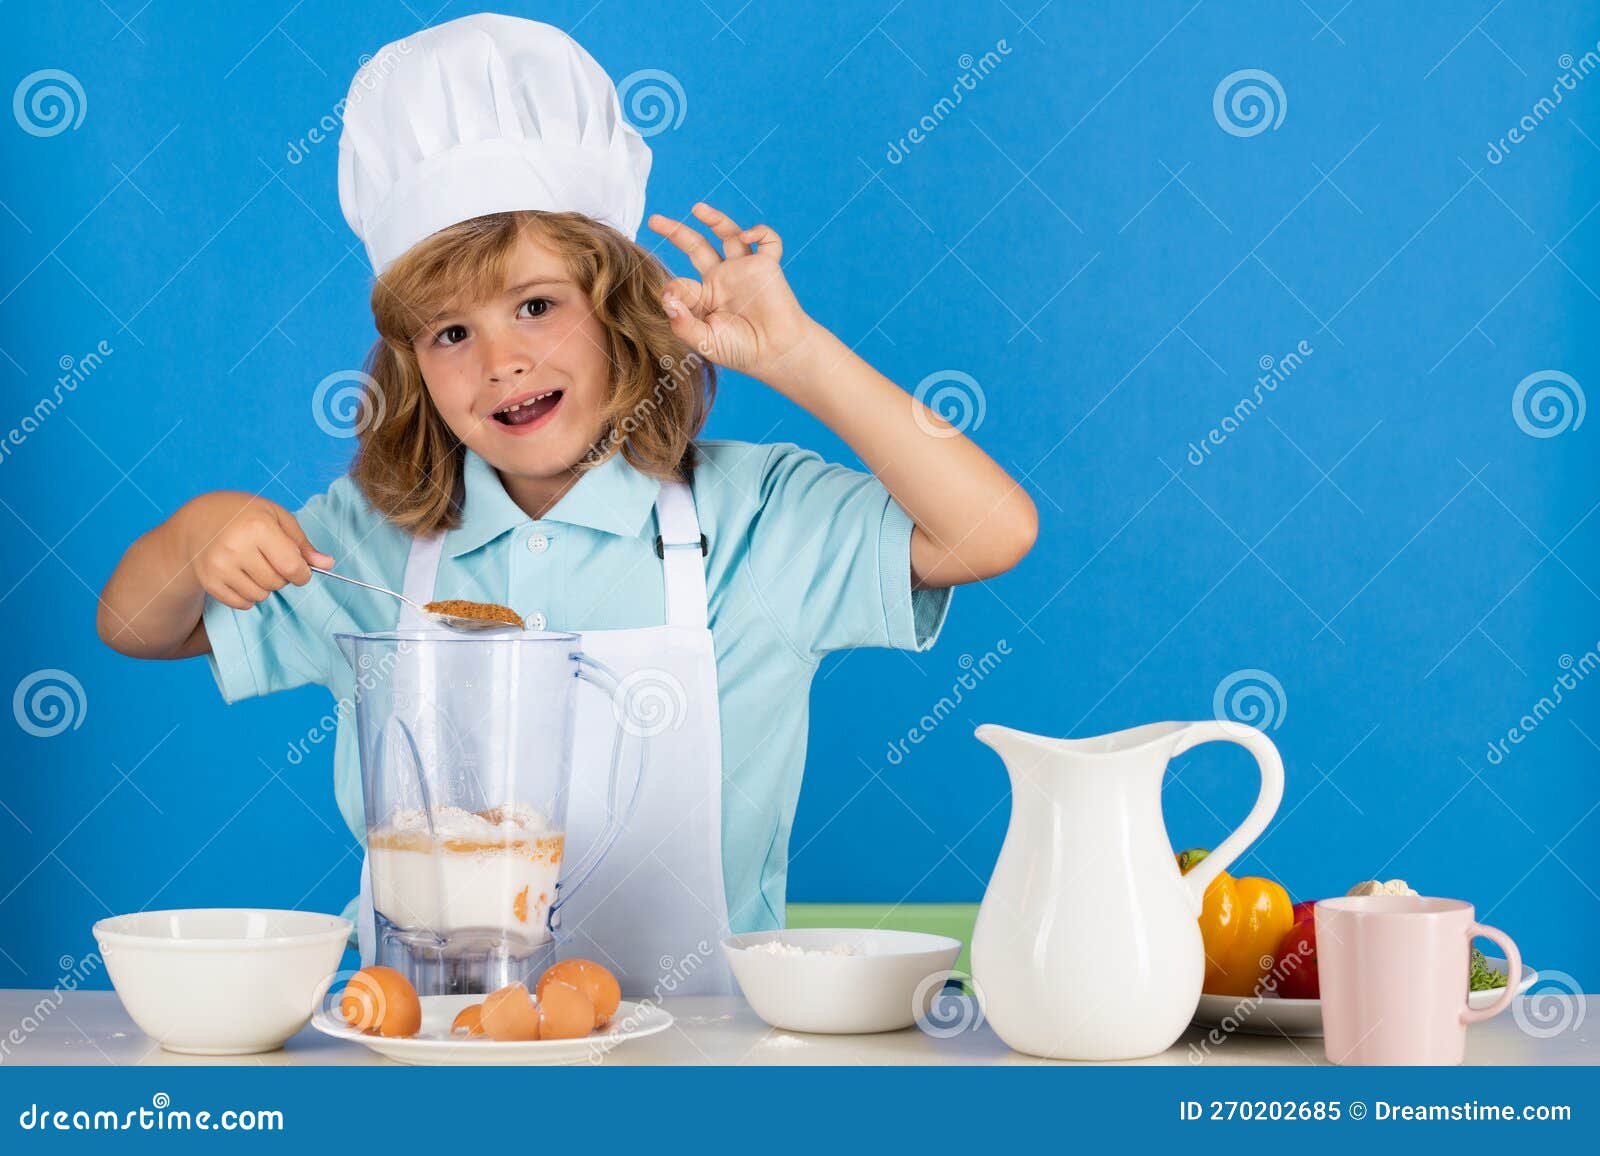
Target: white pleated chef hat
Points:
(485, 114)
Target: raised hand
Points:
(741, 313)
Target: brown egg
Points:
(381, 999)
(509, 1014)
(468, 1019)
(565, 1013)
(591, 979)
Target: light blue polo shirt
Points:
(805, 557)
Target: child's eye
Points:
(454, 334)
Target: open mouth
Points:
(529, 410)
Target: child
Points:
(530, 440)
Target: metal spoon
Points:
(453, 621)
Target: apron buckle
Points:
(662, 547)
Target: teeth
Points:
(530, 401)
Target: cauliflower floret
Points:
(1374, 887)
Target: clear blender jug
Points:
(465, 747)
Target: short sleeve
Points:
(830, 555)
(286, 640)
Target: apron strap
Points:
(422, 569)
(683, 555)
(680, 544)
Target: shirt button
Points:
(536, 620)
(538, 544)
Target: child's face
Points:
(538, 346)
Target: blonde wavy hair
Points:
(409, 463)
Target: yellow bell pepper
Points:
(1242, 922)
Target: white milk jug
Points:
(1087, 946)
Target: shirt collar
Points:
(612, 497)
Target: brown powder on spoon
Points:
(485, 611)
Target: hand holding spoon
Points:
(455, 613)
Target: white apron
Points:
(654, 910)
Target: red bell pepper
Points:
(1294, 965)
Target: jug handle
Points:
(1271, 765)
(602, 678)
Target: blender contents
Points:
(488, 611)
(490, 871)
(380, 999)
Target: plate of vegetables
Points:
(1261, 957)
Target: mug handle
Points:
(1271, 765)
(1513, 977)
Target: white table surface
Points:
(90, 1027)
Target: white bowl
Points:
(892, 979)
(221, 981)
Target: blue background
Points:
(1081, 236)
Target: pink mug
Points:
(1393, 974)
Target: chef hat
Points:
(485, 114)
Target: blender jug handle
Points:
(602, 678)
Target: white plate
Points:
(1303, 1017)
(435, 1045)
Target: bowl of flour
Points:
(841, 981)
